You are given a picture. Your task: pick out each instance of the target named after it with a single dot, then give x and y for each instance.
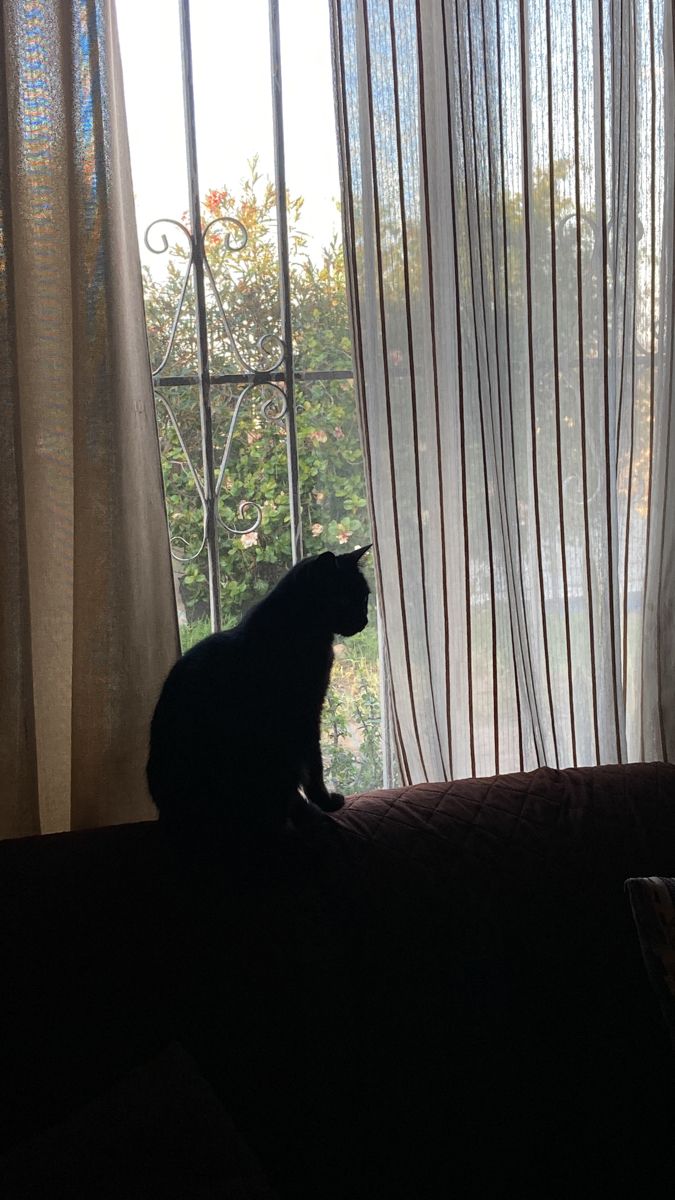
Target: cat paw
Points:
(331, 802)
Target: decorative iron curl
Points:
(186, 558)
(243, 507)
(593, 256)
(268, 344)
(191, 467)
(269, 413)
(593, 225)
(181, 557)
(278, 397)
(573, 484)
(238, 226)
(165, 241)
(579, 219)
(184, 283)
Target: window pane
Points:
(236, 174)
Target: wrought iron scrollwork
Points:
(592, 251)
(269, 412)
(184, 283)
(272, 353)
(270, 366)
(269, 344)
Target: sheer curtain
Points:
(508, 209)
(87, 618)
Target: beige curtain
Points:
(87, 619)
(508, 207)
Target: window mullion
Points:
(285, 282)
(203, 366)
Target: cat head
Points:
(341, 590)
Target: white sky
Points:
(230, 44)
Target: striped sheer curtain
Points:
(508, 211)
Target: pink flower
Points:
(338, 432)
(253, 436)
(318, 435)
(249, 539)
(316, 529)
(344, 535)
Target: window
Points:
(248, 325)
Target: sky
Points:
(230, 42)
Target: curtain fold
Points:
(507, 176)
(87, 618)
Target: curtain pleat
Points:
(508, 216)
(88, 625)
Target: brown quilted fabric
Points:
(583, 820)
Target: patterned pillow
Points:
(653, 903)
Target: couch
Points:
(436, 992)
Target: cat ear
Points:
(354, 555)
(326, 561)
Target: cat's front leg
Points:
(313, 784)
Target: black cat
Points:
(236, 729)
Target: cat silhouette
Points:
(236, 731)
